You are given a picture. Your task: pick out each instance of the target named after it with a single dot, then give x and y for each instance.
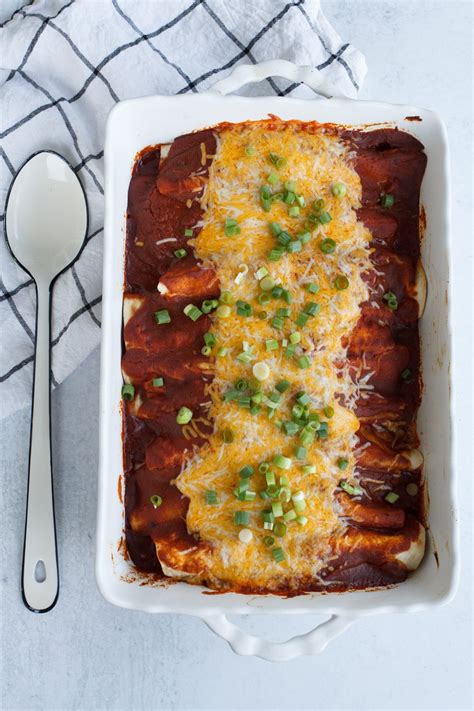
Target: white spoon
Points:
(46, 224)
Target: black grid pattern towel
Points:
(64, 65)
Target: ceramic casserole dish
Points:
(137, 123)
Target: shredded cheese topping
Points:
(314, 161)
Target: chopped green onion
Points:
(273, 178)
(241, 385)
(192, 312)
(289, 516)
(294, 246)
(162, 317)
(306, 437)
(184, 415)
(301, 452)
(341, 282)
(226, 298)
(180, 253)
(302, 520)
(282, 462)
(231, 395)
(318, 205)
(304, 362)
(303, 398)
(324, 217)
(242, 518)
(210, 339)
(264, 298)
(275, 254)
(278, 161)
(391, 497)
(158, 382)
(300, 200)
(266, 205)
(270, 478)
(271, 345)
(221, 352)
(312, 288)
(277, 509)
(268, 541)
(265, 192)
(342, 463)
(128, 391)
(267, 283)
(350, 489)
(243, 308)
(294, 211)
(391, 299)
(278, 555)
(299, 501)
(188, 233)
(279, 529)
(282, 386)
(207, 306)
(277, 291)
(156, 500)
(386, 200)
(289, 197)
(327, 245)
(295, 337)
(277, 322)
(249, 496)
(284, 238)
(249, 151)
(246, 471)
(211, 497)
(309, 469)
(406, 374)
(312, 308)
(329, 411)
(260, 273)
(245, 535)
(291, 428)
(223, 311)
(290, 350)
(275, 229)
(338, 189)
(263, 467)
(302, 319)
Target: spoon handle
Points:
(40, 582)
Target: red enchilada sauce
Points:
(164, 203)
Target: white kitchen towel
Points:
(64, 64)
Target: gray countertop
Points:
(87, 654)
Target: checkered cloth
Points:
(64, 66)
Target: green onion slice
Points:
(162, 317)
(128, 391)
(184, 415)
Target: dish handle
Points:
(312, 642)
(251, 73)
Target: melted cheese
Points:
(314, 162)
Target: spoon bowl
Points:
(46, 219)
(46, 225)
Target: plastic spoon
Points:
(46, 225)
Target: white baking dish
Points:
(141, 122)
